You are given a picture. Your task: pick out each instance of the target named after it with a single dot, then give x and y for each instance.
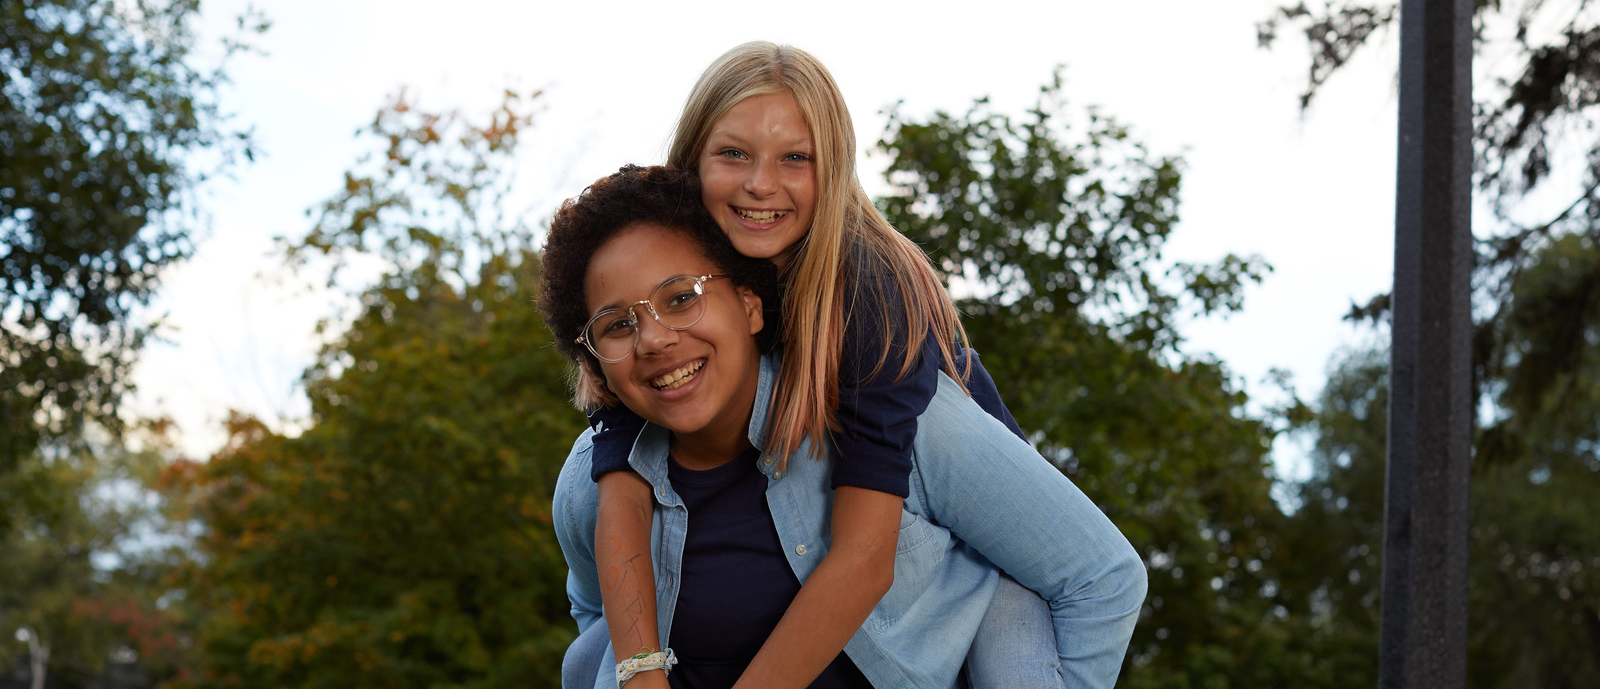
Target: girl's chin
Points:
(686, 422)
(759, 247)
(678, 410)
(753, 242)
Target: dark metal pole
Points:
(1425, 505)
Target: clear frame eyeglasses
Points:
(676, 304)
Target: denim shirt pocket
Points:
(917, 561)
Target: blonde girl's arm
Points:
(838, 596)
(622, 540)
(627, 577)
(870, 477)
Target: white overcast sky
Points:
(1311, 192)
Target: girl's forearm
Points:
(622, 560)
(836, 599)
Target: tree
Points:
(1534, 578)
(404, 538)
(1056, 224)
(1333, 539)
(103, 119)
(85, 570)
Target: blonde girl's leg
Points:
(581, 665)
(1016, 642)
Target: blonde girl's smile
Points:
(760, 217)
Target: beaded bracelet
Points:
(645, 662)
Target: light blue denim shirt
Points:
(979, 495)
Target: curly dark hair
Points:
(664, 196)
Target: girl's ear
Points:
(752, 308)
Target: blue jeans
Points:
(1016, 643)
(581, 666)
(1015, 647)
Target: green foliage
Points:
(1056, 223)
(1540, 347)
(84, 568)
(1333, 541)
(404, 539)
(102, 116)
(1536, 546)
(1534, 559)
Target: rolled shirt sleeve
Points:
(615, 430)
(878, 407)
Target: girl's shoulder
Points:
(873, 301)
(869, 282)
(861, 263)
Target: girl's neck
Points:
(702, 451)
(784, 260)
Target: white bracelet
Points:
(645, 662)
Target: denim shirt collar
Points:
(765, 385)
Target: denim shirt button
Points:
(662, 489)
(800, 549)
(767, 461)
(777, 474)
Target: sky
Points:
(1312, 192)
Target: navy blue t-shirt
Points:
(735, 582)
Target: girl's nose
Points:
(762, 181)
(653, 337)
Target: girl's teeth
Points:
(678, 377)
(761, 216)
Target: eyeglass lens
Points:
(676, 304)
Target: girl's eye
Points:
(797, 158)
(681, 300)
(619, 325)
(733, 153)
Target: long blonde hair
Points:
(816, 308)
